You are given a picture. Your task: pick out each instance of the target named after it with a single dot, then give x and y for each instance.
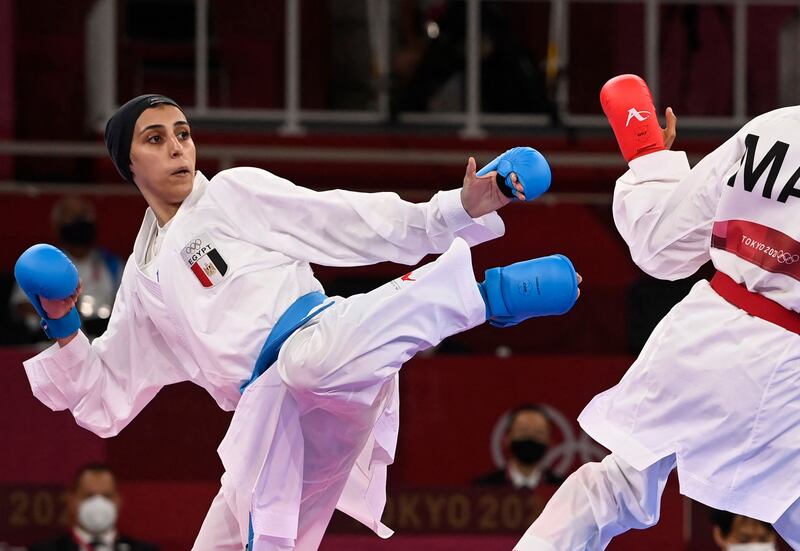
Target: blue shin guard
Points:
(529, 165)
(44, 271)
(545, 286)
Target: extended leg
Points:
(361, 342)
(341, 369)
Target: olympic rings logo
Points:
(787, 258)
(194, 246)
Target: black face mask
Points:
(528, 451)
(79, 232)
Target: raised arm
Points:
(346, 228)
(665, 211)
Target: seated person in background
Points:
(740, 533)
(526, 441)
(93, 505)
(73, 221)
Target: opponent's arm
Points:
(663, 209)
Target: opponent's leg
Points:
(788, 526)
(596, 503)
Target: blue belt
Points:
(290, 321)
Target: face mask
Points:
(528, 451)
(79, 232)
(752, 547)
(97, 514)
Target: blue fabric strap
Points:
(290, 321)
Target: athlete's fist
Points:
(520, 166)
(480, 194)
(628, 104)
(51, 282)
(58, 308)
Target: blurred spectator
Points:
(525, 442)
(739, 533)
(696, 49)
(93, 508)
(73, 222)
(430, 60)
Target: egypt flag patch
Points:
(204, 260)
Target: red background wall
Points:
(168, 468)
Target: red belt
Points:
(755, 304)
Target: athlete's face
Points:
(163, 158)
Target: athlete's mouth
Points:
(182, 171)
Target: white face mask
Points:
(752, 547)
(97, 514)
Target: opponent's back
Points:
(756, 228)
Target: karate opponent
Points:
(219, 291)
(716, 389)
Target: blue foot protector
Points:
(545, 286)
(44, 271)
(529, 165)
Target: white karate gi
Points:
(715, 390)
(318, 429)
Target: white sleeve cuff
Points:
(453, 211)
(50, 365)
(659, 166)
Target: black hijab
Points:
(119, 129)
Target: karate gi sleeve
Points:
(665, 211)
(106, 383)
(345, 228)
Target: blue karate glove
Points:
(45, 271)
(529, 165)
(545, 286)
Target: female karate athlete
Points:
(219, 291)
(716, 389)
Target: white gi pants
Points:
(602, 500)
(339, 372)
